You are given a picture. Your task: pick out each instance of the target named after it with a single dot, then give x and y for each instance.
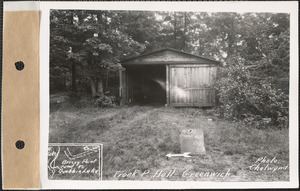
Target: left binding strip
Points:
(20, 95)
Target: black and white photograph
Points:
(173, 96)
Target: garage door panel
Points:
(192, 86)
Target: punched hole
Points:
(19, 65)
(20, 144)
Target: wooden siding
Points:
(192, 85)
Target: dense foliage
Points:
(253, 84)
(243, 97)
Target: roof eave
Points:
(142, 55)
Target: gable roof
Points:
(167, 49)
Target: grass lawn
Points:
(140, 137)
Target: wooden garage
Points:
(169, 77)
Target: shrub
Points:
(243, 97)
(106, 101)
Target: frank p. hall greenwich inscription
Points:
(170, 173)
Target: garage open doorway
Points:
(147, 85)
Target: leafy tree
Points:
(91, 41)
(86, 47)
(254, 84)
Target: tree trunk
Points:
(201, 46)
(99, 86)
(80, 16)
(73, 76)
(96, 82)
(93, 88)
(100, 23)
(64, 81)
(106, 82)
(183, 47)
(96, 87)
(230, 39)
(175, 30)
(73, 65)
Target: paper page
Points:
(167, 95)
